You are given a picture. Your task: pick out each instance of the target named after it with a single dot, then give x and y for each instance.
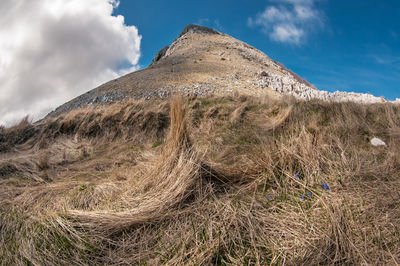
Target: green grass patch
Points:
(156, 144)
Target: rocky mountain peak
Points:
(198, 29)
(189, 28)
(202, 61)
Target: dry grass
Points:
(98, 191)
(18, 134)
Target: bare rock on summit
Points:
(192, 27)
(197, 29)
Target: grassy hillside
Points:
(203, 181)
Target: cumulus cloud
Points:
(288, 21)
(54, 50)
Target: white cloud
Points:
(288, 21)
(54, 50)
(286, 33)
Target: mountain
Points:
(243, 169)
(202, 61)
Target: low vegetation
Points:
(233, 180)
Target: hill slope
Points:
(232, 178)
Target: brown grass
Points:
(200, 196)
(15, 135)
(166, 185)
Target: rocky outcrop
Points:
(159, 55)
(189, 28)
(197, 29)
(289, 84)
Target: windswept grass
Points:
(89, 188)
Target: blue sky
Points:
(336, 45)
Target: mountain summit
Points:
(203, 61)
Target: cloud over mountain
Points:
(288, 21)
(53, 50)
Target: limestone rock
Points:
(377, 142)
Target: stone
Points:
(377, 142)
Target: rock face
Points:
(160, 54)
(286, 85)
(197, 29)
(202, 61)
